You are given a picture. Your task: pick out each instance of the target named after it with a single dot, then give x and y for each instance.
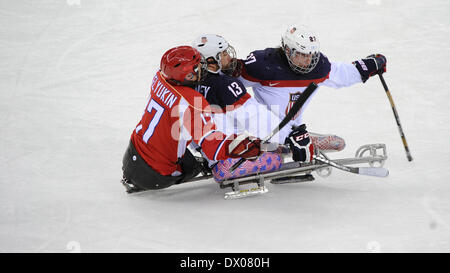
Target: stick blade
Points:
(373, 171)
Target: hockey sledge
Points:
(253, 182)
(294, 172)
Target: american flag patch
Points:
(293, 97)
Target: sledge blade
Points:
(293, 179)
(246, 192)
(373, 171)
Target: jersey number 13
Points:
(235, 89)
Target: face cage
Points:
(298, 69)
(233, 62)
(200, 71)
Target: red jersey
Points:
(175, 116)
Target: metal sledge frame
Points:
(294, 168)
(290, 169)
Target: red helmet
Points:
(178, 62)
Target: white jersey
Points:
(254, 118)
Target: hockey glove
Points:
(300, 143)
(371, 65)
(244, 146)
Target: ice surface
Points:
(74, 79)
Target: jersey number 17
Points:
(159, 110)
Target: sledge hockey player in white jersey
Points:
(237, 110)
(279, 75)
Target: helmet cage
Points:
(292, 52)
(299, 40)
(230, 51)
(199, 70)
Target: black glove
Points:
(300, 143)
(371, 65)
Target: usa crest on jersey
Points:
(293, 97)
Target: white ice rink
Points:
(74, 80)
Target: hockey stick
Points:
(292, 112)
(397, 118)
(370, 171)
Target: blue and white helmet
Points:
(299, 39)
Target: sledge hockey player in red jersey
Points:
(279, 75)
(176, 115)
